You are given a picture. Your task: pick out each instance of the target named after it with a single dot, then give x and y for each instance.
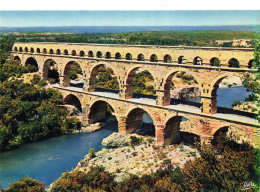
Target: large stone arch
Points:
(72, 99)
(133, 69)
(93, 72)
(100, 110)
(241, 133)
(32, 61)
(216, 81)
(127, 89)
(17, 58)
(66, 70)
(167, 82)
(134, 118)
(49, 63)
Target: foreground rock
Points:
(122, 159)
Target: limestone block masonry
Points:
(163, 62)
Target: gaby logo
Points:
(248, 185)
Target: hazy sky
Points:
(127, 18)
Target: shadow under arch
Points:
(219, 136)
(72, 99)
(32, 64)
(17, 58)
(135, 122)
(179, 129)
(50, 71)
(101, 111)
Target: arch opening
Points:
(167, 59)
(73, 75)
(230, 95)
(117, 56)
(73, 53)
(182, 88)
(32, 50)
(128, 56)
(186, 135)
(17, 59)
(108, 55)
(65, 52)
(99, 54)
(153, 58)
(38, 50)
(44, 51)
(31, 64)
(58, 52)
(26, 49)
(233, 63)
(219, 137)
(251, 64)
(50, 71)
(102, 111)
(72, 103)
(103, 78)
(182, 60)
(20, 49)
(140, 122)
(15, 49)
(197, 61)
(81, 53)
(215, 62)
(90, 54)
(140, 57)
(140, 83)
(51, 51)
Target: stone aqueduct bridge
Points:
(163, 62)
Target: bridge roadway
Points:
(206, 130)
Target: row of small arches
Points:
(233, 62)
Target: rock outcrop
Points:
(123, 160)
(93, 127)
(185, 92)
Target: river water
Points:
(46, 160)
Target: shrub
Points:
(92, 153)
(224, 170)
(134, 141)
(96, 179)
(71, 124)
(26, 184)
(36, 78)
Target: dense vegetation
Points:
(28, 112)
(189, 38)
(105, 79)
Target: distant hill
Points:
(116, 29)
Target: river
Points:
(46, 160)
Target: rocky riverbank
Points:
(249, 106)
(123, 156)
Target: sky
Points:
(128, 18)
